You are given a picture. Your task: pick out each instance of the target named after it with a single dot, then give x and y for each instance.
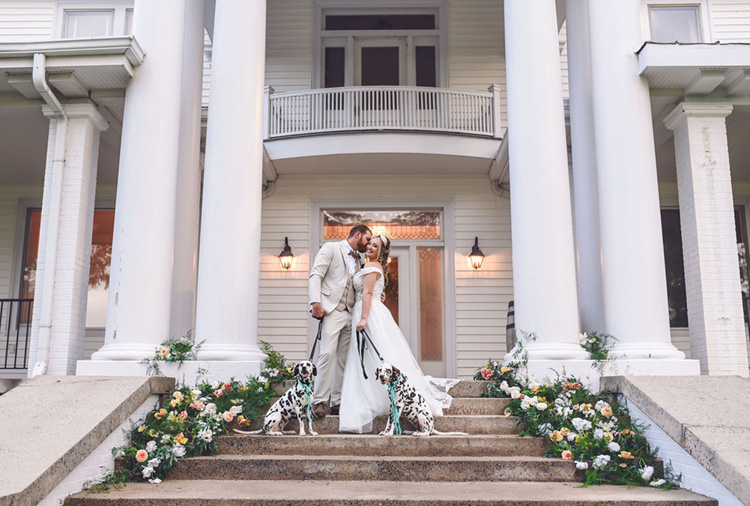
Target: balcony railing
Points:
(382, 108)
(15, 331)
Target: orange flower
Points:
(504, 369)
(607, 411)
(556, 436)
(567, 455)
(183, 415)
(179, 438)
(141, 455)
(626, 455)
(228, 417)
(565, 431)
(160, 414)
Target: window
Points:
(78, 19)
(675, 23)
(401, 47)
(101, 257)
(393, 223)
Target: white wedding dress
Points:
(364, 399)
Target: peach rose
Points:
(486, 373)
(626, 455)
(164, 351)
(565, 431)
(556, 436)
(180, 439)
(504, 369)
(141, 455)
(227, 416)
(567, 455)
(227, 387)
(183, 415)
(607, 411)
(160, 414)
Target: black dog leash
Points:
(319, 336)
(362, 345)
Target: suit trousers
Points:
(334, 346)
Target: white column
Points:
(544, 278)
(140, 289)
(74, 217)
(712, 281)
(585, 191)
(185, 270)
(228, 270)
(634, 279)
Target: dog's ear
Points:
(395, 373)
(296, 370)
(377, 371)
(315, 370)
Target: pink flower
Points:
(486, 373)
(607, 411)
(219, 393)
(183, 415)
(567, 455)
(228, 417)
(141, 455)
(164, 351)
(227, 387)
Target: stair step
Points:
(285, 467)
(469, 388)
(477, 406)
(387, 493)
(472, 424)
(373, 445)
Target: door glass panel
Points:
(430, 304)
(395, 224)
(381, 22)
(93, 23)
(101, 257)
(676, 297)
(334, 67)
(380, 66)
(391, 288)
(31, 250)
(426, 65)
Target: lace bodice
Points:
(358, 284)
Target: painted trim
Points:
(706, 26)
(119, 8)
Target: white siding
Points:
(208, 47)
(481, 296)
(475, 37)
(26, 20)
(731, 20)
(288, 45)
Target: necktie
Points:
(355, 255)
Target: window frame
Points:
(704, 19)
(345, 38)
(119, 8)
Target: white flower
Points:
(567, 412)
(601, 461)
(215, 385)
(600, 405)
(613, 447)
(582, 338)
(540, 406)
(151, 446)
(210, 408)
(178, 450)
(582, 465)
(154, 462)
(155, 480)
(504, 386)
(528, 402)
(572, 436)
(647, 472)
(147, 471)
(515, 392)
(235, 410)
(545, 429)
(580, 424)
(195, 392)
(205, 434)
(657, 483)
(598, 434)
(166, 438)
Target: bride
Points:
(364, 399)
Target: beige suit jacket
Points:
(329, 275)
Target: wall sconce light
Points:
(476, 256)
(286, 256)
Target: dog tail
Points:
(238, 431)
(450, 433)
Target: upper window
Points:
(675, 23)
(396, 224)
(94, 18)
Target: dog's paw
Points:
(313, 433)
(289, 432)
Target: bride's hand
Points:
(362, 323)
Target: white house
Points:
(155, 157)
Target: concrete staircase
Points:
(491, 466)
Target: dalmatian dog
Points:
(410, 403)
(292, 404)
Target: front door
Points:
(379, 61)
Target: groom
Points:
(332, 295)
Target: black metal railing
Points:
(15, 332)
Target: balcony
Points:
(397, 128)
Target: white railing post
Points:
(267, 92)
(495, 90)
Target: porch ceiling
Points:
(385, 153)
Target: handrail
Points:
(382, 108)
(15, 332)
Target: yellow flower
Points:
(504, 369)
(565, 431)
(174, 402)
(141, 428)
(153, 433)
(242, 389)
(592, 341)
(160, 414)
(556, 436)
(623, 465)
(178, 395)
(626, 455)
(179, 438)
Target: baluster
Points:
(29, 305)
(18, 329)
(2, 312)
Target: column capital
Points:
(686, 110)
(84, 110)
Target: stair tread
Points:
(388, 492)
(404, 458)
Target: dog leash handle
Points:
(318, 337)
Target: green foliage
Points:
(276, 368)
(599, 347)
(173, 350)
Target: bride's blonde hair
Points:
(384, 250)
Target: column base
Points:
(551, 352)
(125, 351)
(585, 371)
(188, 373)
(647, 351)
(227, 351)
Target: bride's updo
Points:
(384, 251)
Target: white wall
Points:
(481, 296)
(26, 20)
(730, 20)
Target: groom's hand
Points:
(382, 297)
(317, 310)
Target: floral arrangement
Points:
(173, 350)
(590, 429)
(598, 346)
(275, 369)
(187, 424)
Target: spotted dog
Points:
(293, 403)
(410, 403)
